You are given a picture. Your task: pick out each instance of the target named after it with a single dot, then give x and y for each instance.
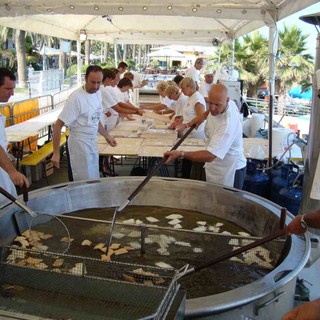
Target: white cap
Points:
(208, 72)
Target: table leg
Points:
(19, 153)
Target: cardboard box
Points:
(48, 165)
(37, 172)
(49, 172)
(27, 173)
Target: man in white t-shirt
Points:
(122, 67)
(138, 81)
(9, 175)
(207, 84)
(81, 114)
(193, 72)
(113, 105)
(225, 161)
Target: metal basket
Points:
(60, 286)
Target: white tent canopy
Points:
(166, 52)
(48, 51)
(150, 22)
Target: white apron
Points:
(84, 157)
(5, 181)
(221, 171)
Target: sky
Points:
(305, 27)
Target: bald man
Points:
(224, 159)
(9, 175)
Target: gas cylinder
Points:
(256, 180)
(281, 181)
(276, 168)
(291, 195)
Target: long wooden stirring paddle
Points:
(141, 185)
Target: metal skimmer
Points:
(60, 286)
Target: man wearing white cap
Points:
(207, 84)
(193, 72)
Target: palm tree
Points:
(7, 56)
(294, 65)
(251, 60)
(20, 40)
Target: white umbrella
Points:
(166, 53)
(49, 51)
(94, 57)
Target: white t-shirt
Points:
(205, 88)
(81, 112)
(180, 103)
(223, 138)
(137, 79)
(124, 96)
(108, 101)
(189, 113)
(193, 73)
(168, 102)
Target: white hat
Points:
(208, 72)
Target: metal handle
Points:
(242, 249)
(25, 194)
(7, 194)
(283, 217)
(13, 199)
(265, 304)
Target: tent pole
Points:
(273, 47)
(312, 159)
(79, 62)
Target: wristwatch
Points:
(182, 155)
(303, 224)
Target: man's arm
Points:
(155, 107)
(55, 159)
(195, 156)
(110, 139)
(309, 310)
(312, 220)
(197, 121)
(122, 107)
(16, 177)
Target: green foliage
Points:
(71, 71)
(251, 59)
(294, 64)
(29, 45)
(107, 64)
(131, 64)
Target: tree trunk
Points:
(251, 90)
(281, 100)
(124, 52)
(119, 54)
(105, 53)
(139, 58)
(62, 57)
(280, 91)
(21, 58)
(87, 52)
(133, 53)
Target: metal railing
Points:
(290, 109)
(23, 110)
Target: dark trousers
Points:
(239, 178)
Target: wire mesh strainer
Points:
(72, 287)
